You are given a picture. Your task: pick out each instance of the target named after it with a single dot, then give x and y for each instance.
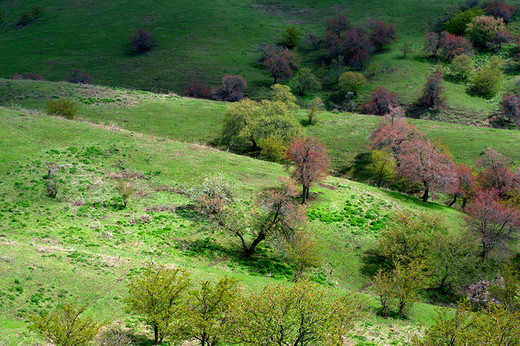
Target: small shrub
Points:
(232, 89)
(462, 66)
(125, 191)
(406, 48)
(27, 76)
(142, 41)
(312, 40)
(433, 93)
(487, 81)
(77, 76)
(291, 37)
(351, 81)
(62, 107)
(272, 149)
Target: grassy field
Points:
(199, 121)
(204, 40)
(83, 244)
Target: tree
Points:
(381, 34)
(501, 37)
(214, 193)
(406, 48)
(305, 80)
(158, 294)
(312, 40)
(77, 76)
(272, 149)
(208, 310)
(300, 314)
(302, 249)
(232, 89)
(197, 90)
(382, 166)
(433, 93)
(495, 173)
(282, 93)
(239, 123)
(393, 134)
(465, 185)
(280, 63)
(462, 66)
(65, 325)
(351, 81)
(423, 164)
(482, 29)
(336, 25)
(495, 224)
(315, 109)
(451, 46)
(381, 101)
(457, 24)
(142, 41)
(432, 43)
(125, 190)
(499, 9)
(510, 107)
(311, 162)
(359, 59)
(291, 37)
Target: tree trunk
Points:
(426, 192)
(464, 202)
(304, 194)
(453, 201)
(156, 335)
(249, 251)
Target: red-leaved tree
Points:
(381, 101)
(197, 90)
(232, 89)
(495, 173)
(280, 63)
(380, 34)
(499, 9)
(433, 93)
(393, 134)
(311, 162)
(446, 45)
(423, 164)
(510, 107)
(495, 224)
(465, 187)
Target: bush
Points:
(462, 66)
(272, 149)
(433, 92)
(62, 107)
(381, 102)
(36, 12)
(197, 90)
(483, 29)
(77, 76)
(142, 42)
(291, 37)
(487, 81)
(232, 89)
(27, 76)
(457, 24)
(499, 9)
(351, 81)
(305, 80)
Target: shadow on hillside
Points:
(416, 111)
(412, 200)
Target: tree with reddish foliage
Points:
(393, 134)
(433, 93)
(446, 45)
(197, 90)
(453, 45)
(381, 101)
(501, 37)
(495, 173)
(432, 43)
(311, 162)
(280, 63)
(495, 224)
(483, 29)
(337, 25)
(499, 9)
(510, 107)
(142, 41)
(424, 164)
(232, 89)
(465, 185)
(380, 34)
(359, 59)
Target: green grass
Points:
(83, 244)
(199, 121)
(204, 40)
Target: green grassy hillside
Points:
(83, 244)
(199, 121)
(204, 40)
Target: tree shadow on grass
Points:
(416, 111)
(413, 200)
